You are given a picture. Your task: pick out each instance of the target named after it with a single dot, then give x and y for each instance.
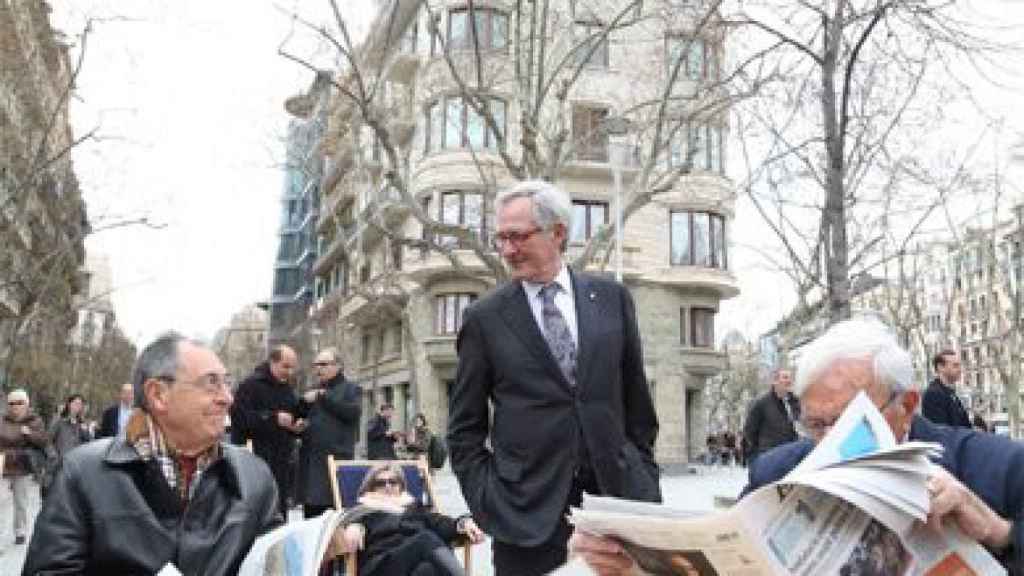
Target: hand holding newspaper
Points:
(855, 506)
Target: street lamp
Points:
(619, 127)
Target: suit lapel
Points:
(519, 317)
(587, 319)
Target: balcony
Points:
(595, 161)
(333, 251)
(334, 205)
(702, 361)
(440, 350)
(720, 282)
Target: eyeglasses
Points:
(322, 364)
(515, 238)
(818, 427)
(15, 402)
(209, 383)
(384, 481)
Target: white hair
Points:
(18, 395)
(857, 339)
(551, 205)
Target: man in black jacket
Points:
(940, 403)
(771, 417)
(168, 491)
(332, 427)
(266, 410)
(550, 396)
(115, 417)
(380, 438)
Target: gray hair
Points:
(857, 339)
(551, 205)
(159, 360)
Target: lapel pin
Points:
(593, 296)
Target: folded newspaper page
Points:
(294, 549)
(854, 507)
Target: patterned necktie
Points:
(557, 333)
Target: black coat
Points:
(108, 422)
(941, 405)
(380, 445)
(518, 484)
(110, 512)
(254, 415)
(387, 531)
(768, 425)
(332, 427)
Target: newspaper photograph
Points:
(293, 549)
(856, 506)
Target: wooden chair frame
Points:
(419, 467)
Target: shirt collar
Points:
(562, 278)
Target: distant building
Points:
(394, 306)
(242, 344)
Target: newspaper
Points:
(294, 549)
(855, 506)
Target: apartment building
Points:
(402, 240)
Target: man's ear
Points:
(910, 401)
(156, 391)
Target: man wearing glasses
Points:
(332, 411)
(978, 483)
(168, 491)
(557, 354)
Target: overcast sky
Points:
(188, 99)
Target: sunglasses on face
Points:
(15, 403)
(385, 481)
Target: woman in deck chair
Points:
(394, 534)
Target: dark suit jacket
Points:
(380, 445)
(991, 466)
(940, 405)
(332, 428)
(768, 424)
(108, 422)
(517, 486)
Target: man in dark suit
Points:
(116, 417)
(941, 404)
(557, 354)
(978, 483)
(332, 412)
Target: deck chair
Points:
(347, 476)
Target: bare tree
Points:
(863, 83)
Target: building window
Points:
(700, 59)
(702, 327)
(395, 343)
(590, 140)
(452, 123)
(587, 218)
(489, 26)
(684, 327)
(592, 48)
(367, 349)
(459, 208)
(698, 239)
(449, 311)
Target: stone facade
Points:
(392, 301)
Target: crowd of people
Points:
(550, 401)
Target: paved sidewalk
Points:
(697, 491)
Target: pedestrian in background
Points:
(115, 418)
(771, 417)
(21, 433)
(940, 403)
(380, 438)
(418, 440)
(70, 429)
(332, 411)
(266, 410)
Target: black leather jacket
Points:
(110, 512)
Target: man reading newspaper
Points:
(976, 490)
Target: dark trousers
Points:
(512, 560)
(417, 555)
(280, 467)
